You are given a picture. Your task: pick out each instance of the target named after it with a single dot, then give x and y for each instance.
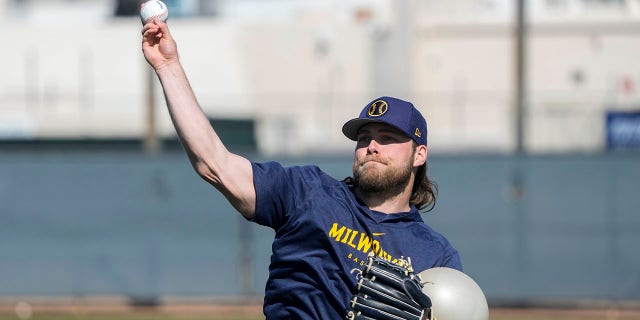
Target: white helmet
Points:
(454, 295)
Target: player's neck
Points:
(386, 202)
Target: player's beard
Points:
(387, 179)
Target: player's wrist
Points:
(168, 66)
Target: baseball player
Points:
(326, 230)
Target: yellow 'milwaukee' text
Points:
(358, 240)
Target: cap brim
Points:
(350, 128)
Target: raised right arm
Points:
(231, 174)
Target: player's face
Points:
(383, 159)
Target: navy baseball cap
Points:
(395, 112)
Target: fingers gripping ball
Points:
(455, 296)
(152, 9)
(389, 291)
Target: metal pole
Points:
(520, 74)
(245, 259)
(520, 228)
(151, 141)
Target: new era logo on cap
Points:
(392, 111)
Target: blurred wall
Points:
(529, 230)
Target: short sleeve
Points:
(273, 194)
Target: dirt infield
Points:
(120, 309)
(247, 309)
(563, 314)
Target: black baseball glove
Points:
(388, 291)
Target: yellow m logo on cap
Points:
(378, 108)
(418, 133)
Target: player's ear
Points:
(420, 155)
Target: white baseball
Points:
(153, 8)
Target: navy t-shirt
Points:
(323, 234)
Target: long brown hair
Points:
(424, 192)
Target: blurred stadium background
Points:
(534, 132)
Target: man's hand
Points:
(158, 46)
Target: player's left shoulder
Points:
(427, 231)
